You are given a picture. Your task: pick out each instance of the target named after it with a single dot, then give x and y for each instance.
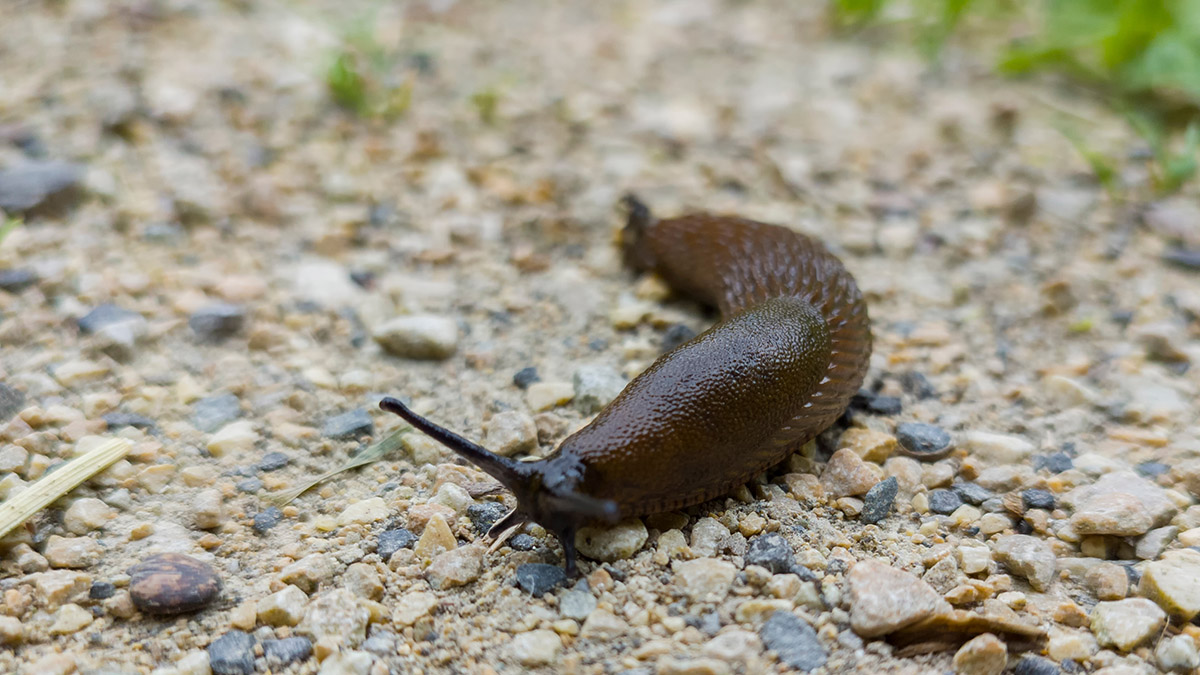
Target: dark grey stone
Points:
(923, 440)
(250, 486)
(214, 412)
(1038, 499)
(972, 493)
(878, 501)
(485, 514)
(885, 405)
(287, 650)
(116, 420)
(676, 335)
(522, 542)
(1057, 462)
(918, 385)
(1182, 257)
(102, 590)
(771, 551)
(1036, 665)
(525, 377)
(12, 401)
(793, 641)
(1152, 469)
(944, 501)
(106, 315)
(391, 541)
(217, 321)
(15, 281)
(348, 425)
(267, 518)
(30, 185)
(273, 461)
(232, 654)
(537, 579)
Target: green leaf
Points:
(1171, 62)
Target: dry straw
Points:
(62, 480)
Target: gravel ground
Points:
(224, 267)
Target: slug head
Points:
(548, 491)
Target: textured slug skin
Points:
(780, 366)
(790, 350)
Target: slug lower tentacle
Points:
(781, 365)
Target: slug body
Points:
(780, 366)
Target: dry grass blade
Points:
(374, 453)
(62, 480)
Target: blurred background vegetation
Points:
(1140, 57)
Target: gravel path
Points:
(224, 267)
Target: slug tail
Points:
(509, 472)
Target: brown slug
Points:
(780, 366)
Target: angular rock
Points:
(613, 543)
(457, 567)
(595, 387)
(847, 475)
(1029, 557)
(288, 650)
(884, 599)
(925, 442)
(1121, 503)
(793, 641)
(982, 655)
(1174, 583)
(536, 648)
(1125, 624)
(878, 501)
(705, 580)
(348, 425)
(232, 654)
(418, 336)
(538, 579)
(217, 321)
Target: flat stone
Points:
(232, 654)
(847, 475)
(418, 336)
(217, 321)
(172, 583)
(412, 607)
(1153, 543)
(997, 448)
(117, 420)
(348, 425)
(538, 579)
(871, 445)
(70, 618)
(335, 617)
(282, 608)
(878, 501)
(72, 552)
(603, 625)
(613, 543)
(944, 501)
(1125, 624)
(705, 579)
(972, 493)
(1027, 556)
(288, 650)
(925, 442)
(884, 599)
(308, 572)
(485, 514)
(794, 642)
(235, 437)
(596, 386)
(1174, 583)
(17, 280)
(31, 185)
(1120, 504)
(542, 396)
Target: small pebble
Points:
(16, 280)
(794, 642)
(675, 335)
(485, 514)
(542, 396)
(101, 590)
(232, 654)
(997, 448)
(705, 579)
(172, 583)
(1057, 462)
(414, 606)
(537, 579)
(1152, 469)
(982, 655)
(596, 386)
(576, 604)
(250, 486)
(214, 412)
(884, 405)
(847, 475)
(86, 514)
(884, 599)
(1174, 583)
(267, 518)
(273, 461)
(282, 608)
(217, 321)
(393, 540)
(288, 650)
(348, 425)
(878, 501)
(1184, 258)
(972, 493)
(510, 432)
(235, 437)
(944, 501)
(72, 552)
(457, 567)
(1177, 653)
(522, 542)
(1035, 665)
(106, 315)
(1029, 557)
(525, 377)
(536, 647)
(117, 420)
(418, 336)
(771, 551)
(922, 441)
(12, 401)
(613, 543)
(1125, 624)
(30, 185)
(364, 512)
